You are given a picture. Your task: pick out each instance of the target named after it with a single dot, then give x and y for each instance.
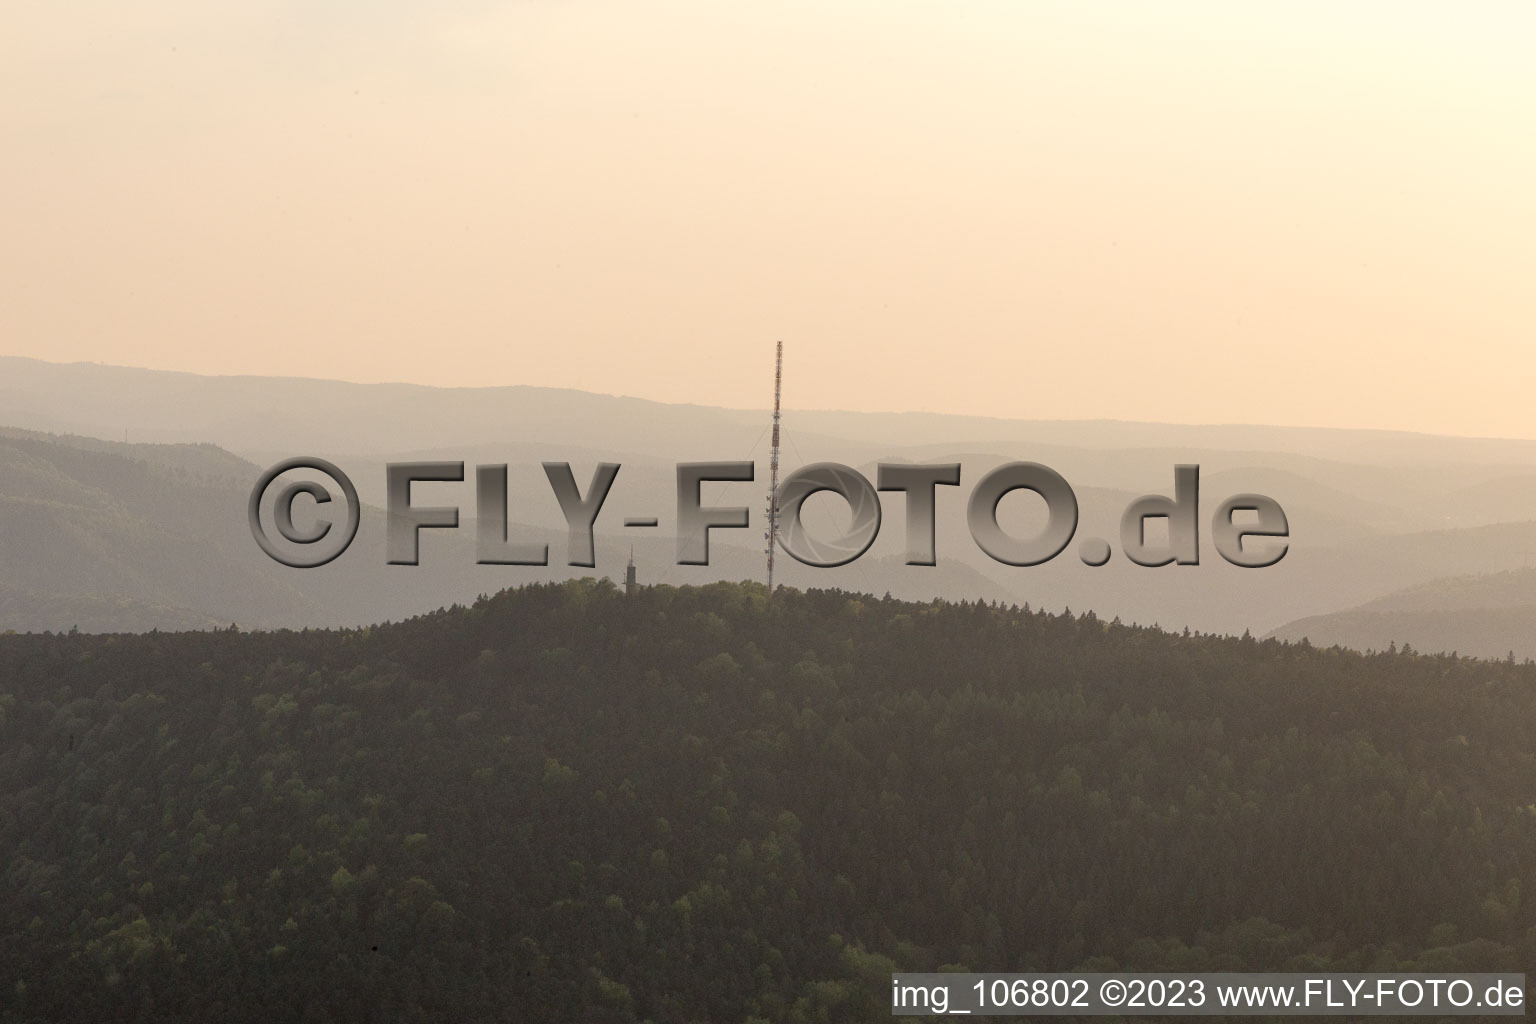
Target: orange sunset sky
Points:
(1300, 213)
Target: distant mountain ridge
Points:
(1489, 616)
(245, 413)
(113, 537)
(1408, 510)
(95, 538)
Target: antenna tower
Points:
(772, 535)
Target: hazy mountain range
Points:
(122, 494)
(1489, 616)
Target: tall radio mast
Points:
(773, 465)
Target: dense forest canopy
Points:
(703, 804)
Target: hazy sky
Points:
(1285, 213)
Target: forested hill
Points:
(702, 805)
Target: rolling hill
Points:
(690, 804)
(111, 537)
(1488, 615)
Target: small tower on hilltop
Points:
(630, 583)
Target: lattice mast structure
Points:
(772, 536)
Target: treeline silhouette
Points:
(703, 804)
